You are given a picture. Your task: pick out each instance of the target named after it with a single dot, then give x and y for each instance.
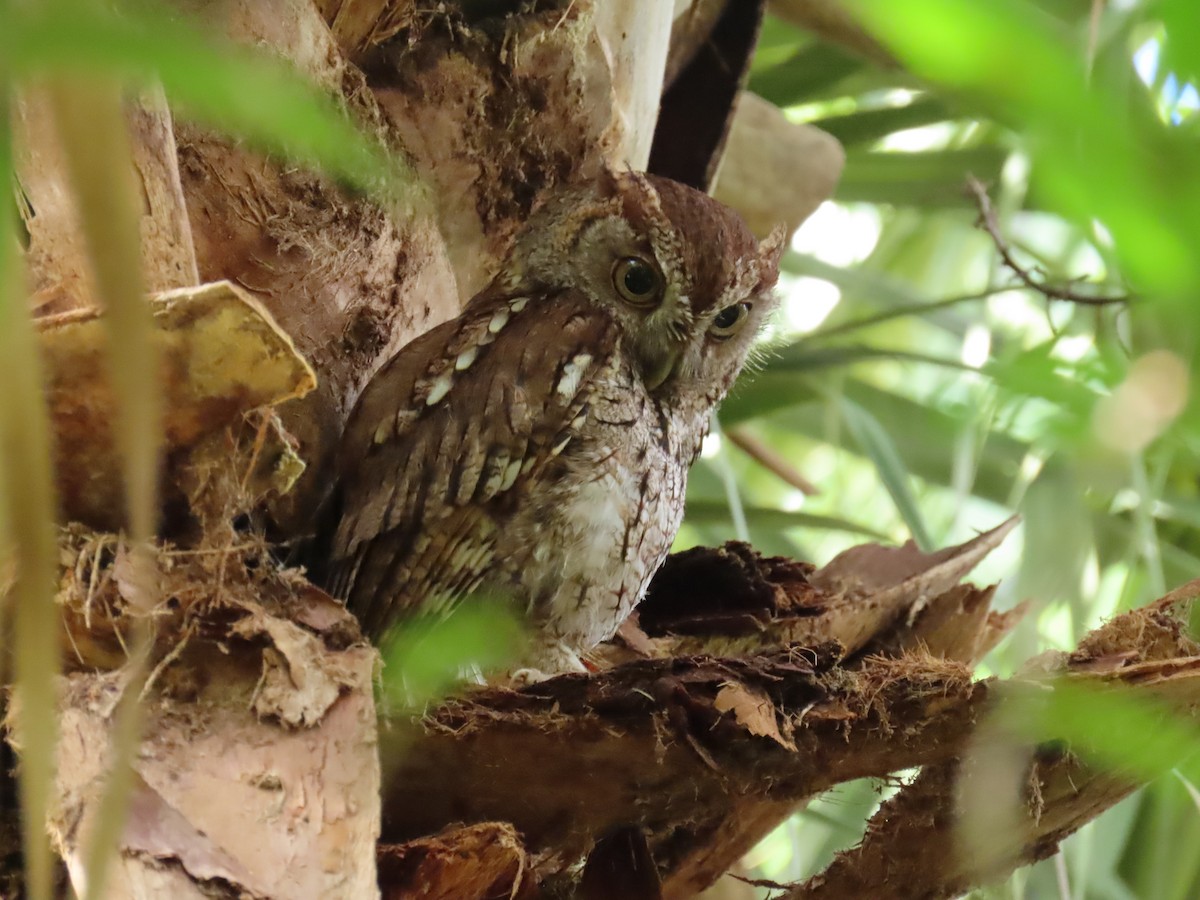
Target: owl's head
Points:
(689, 283)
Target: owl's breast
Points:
(584, 553)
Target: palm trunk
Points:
(276, 296)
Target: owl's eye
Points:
(729, 321)
(638, 282)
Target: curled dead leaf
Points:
(753, 710)
(222, 355)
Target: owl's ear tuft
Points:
(770, 252)
(639, 197)
(608, 181)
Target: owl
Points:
(536, 448)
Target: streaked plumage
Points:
(536, 447)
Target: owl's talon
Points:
(555, 658)
(525, 677)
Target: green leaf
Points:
(89, 117)
(28, 523)
(934, 178)
(1037, 372)
(852, 279)
(1141, 181)
(807, 75)
(1181, 49)
(878, 447)
(219, 84)
(762, 393)
(1108, 725)
(1054, 556)
(712, 512)
(778, 41)
(426, 656)
(803, 356)
(870, 125)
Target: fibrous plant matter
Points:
(705, 754)
(744, 686)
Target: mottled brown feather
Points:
(537, 446)
(412, 506)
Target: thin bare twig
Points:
(767, 457)
(987, 221)
(761, 882)
(911, 309)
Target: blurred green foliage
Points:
(927, 393)
(262, 100)
(87, 53)
(911, 379)
(424, 660)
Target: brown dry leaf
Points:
(752, 709)
(300, 679)
(222, 355)
(137, 576)
(764, 145)
(875, 570)
(318, 610)
(833, 711)
(1110, 662)
(476, 862)
(634, 638)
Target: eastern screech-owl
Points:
(537, 446)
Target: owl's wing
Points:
(448, 432)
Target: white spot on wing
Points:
(465, 359)
(518, 304)
(510, 474)
(404, 418)
(480, 556)
(572, 374)
(499, 320)
(461, 557)
(440, 388)
(496, 468)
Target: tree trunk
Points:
(741, 688)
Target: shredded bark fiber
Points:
(222, 357)
(704, 755)
(744, 686)
(260, 697)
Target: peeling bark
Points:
(491, 120)
(473, 863)
(58, 273)
(914, 848)
(706, 755)
(258, 770)
(221, 357)
(744, 685)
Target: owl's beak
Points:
(657, 368)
